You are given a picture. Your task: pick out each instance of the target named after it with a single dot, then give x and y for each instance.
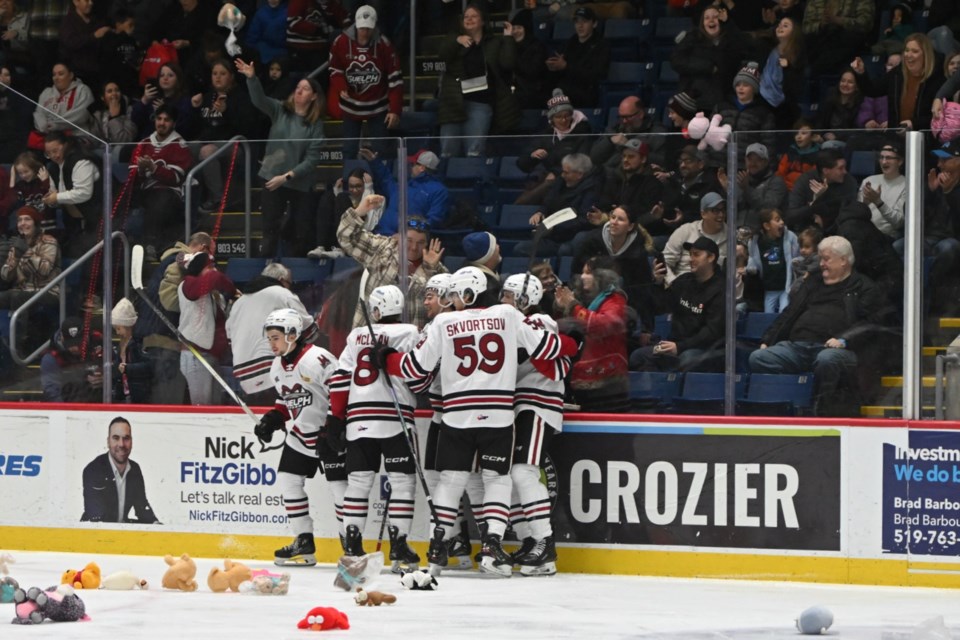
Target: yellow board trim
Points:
(676, 564)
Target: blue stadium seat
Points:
(543, 30)
(513, 265)
(564, 268)
(626, 36)
(755, 325)
(344, 264)
(532, 121)
(243, 270)
(668, 76)
(596, 118)
(703, 393)
(470, 170)
(661, 326)
(451, 261)
(863, 164)
(778, 394)
(489, 214)
(510, 172)
(307, 270)
(651, 391)
(875, 66)
(631, 73)
(563, 30)
(669, 28)
(516, 216)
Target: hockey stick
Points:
(554, 219)
(396, 406)
(136, 281)
(383, 522)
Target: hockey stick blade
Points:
(136, 280)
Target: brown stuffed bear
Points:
(230, 577)
(373, 598)
(86, 578)
(181, 573)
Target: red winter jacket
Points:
(605, 348)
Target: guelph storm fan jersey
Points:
(478, 352)
(370, 410)
(304, 395)
(535, 390)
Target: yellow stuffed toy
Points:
(86, 578)
(230, 577)
(181, 573)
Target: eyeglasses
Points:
(630, 116)
(355, 187)
(890, 157)
(418, 224)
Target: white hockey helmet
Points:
(467, 281)
(526, 288)
(440, 283)
(386, 301)
(288, 321)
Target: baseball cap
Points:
(426, 158)
(758, 148)
(711, 200)
(950, 149)
(586, 13)
(635, 144)
(704, 244)
(366, 17)
(71, 332)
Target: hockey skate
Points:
(493, 559)
(541, 560)
(458, 552)
(300, 552)
(437, 553)
(353, 542)
(402, 557)
(526, 545)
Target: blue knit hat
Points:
(479, 246)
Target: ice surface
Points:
(468, 605)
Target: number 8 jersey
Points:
(477, 349)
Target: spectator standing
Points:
(886, 192)
(759, 187)
(252, 357)
(782, 78)
(475, 95)
(712, 224)
(72, 370)
(835, 30)
(32, 262)
(289, 164)
(771, 254)
(45, 17)
(380, 255)
(598, 307)
(746, 112)
(310, 25)
(823, 328)
(529, 81)
(81, 35)
(121, 55)
(169, 89)
(366, 85)
(203, 295)
(132, 369)
(15, 118)
(708, 57)
(161, 163)
(184, 25)
(267, 32)
(67, 99)
(584, 62)
(14, 43)
(76, 189)
(112, 116)
(696, 303)
(840, 109)
(828, 186)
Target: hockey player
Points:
(478, 344)
(301, 373)
(363, 421)
(538, 405)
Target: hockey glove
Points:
(379, 354)
(336, 433)
(271, 421)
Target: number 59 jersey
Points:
(477, 349)
(362, 388)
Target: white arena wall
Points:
(857, 501)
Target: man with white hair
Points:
(252, 356)
(827, 319)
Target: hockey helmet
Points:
(526, 288)
(467, 281)
(287, 321)
(440, 283)
(386, 301)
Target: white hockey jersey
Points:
(478, 348)
(304, 393)
(370, 410)
(535, 391)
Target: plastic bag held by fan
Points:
(231, 18)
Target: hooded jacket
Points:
(369, 74)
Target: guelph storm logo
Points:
(362, 74)
(296, 398)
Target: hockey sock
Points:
(496, 501)
(338, 488)
(402, 488)
(296, 502)
(534, 498)
(433, 479)
(518, 520)
(447, 500)
(356, 500)
(475, 497)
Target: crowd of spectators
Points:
(158, 74)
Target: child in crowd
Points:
(30, 182)
(809, 260)
(771, 253)
(901, 25)
(802, 154)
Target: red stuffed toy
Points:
(324, 618)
